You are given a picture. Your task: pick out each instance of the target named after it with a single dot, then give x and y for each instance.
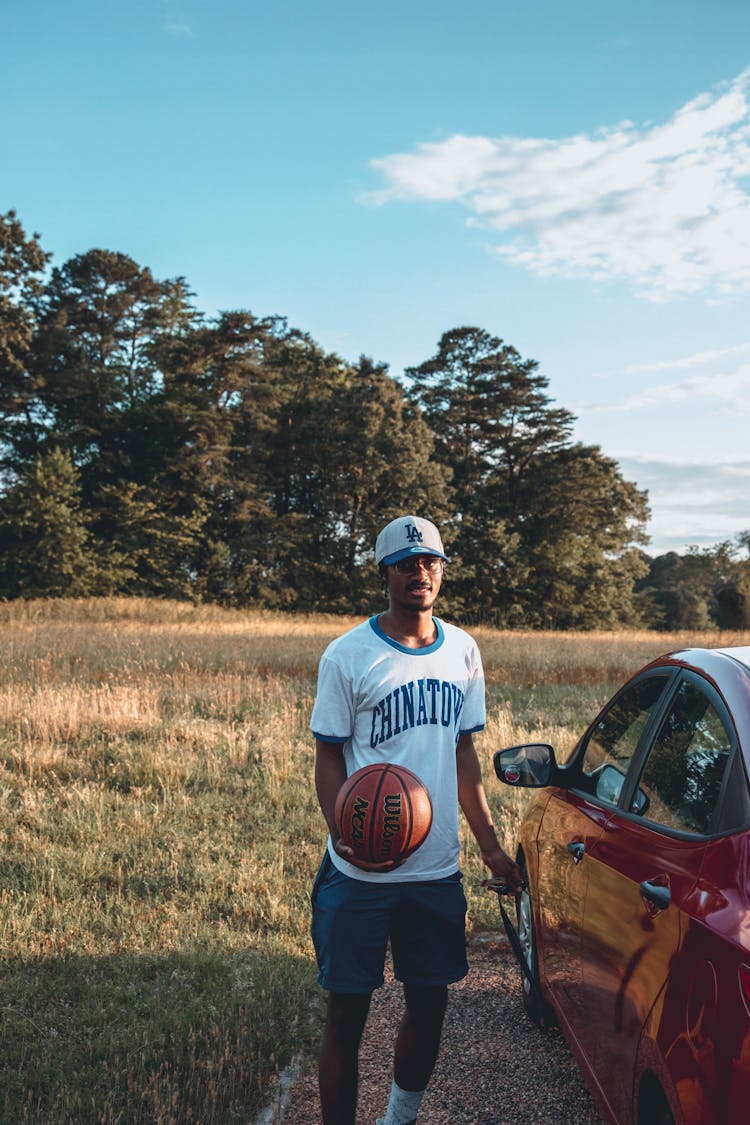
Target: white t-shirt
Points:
(385, 702)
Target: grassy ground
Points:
(160, 834)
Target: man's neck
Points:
(413, 630)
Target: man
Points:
(363, 713)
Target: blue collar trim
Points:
(406, 648)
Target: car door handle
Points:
(659, 896)
(577, 850)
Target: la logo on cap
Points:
(408, 535)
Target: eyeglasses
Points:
(431, 563)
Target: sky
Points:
(573, 178)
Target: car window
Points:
(615, 737)
(684, 770)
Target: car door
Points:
(701, 1022)
(641, 872)
(573, 821)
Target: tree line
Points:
(146, 448)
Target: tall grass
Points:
(160, 834)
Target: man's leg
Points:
(338, 1069)
(418, 1041)
(417, 1047)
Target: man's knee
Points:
(346, 1017)
(426, 1004)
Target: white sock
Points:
(402, 1107)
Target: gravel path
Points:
(495, 1066)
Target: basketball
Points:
(383, 812)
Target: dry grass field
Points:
(160, 834)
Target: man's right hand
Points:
(350, 856)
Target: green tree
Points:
(46, 547)
(704, 588)
(732, 588)
(22, 262)
(544, 528)
(95, 390)
(356, 453)
(491, 419)
(93, 362)
(223, 399)
(580, 526)
(679, 590)
(151, 549)
(297, 458)
(491, 416)
(234, 459)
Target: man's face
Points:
(414, 582)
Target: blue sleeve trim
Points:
(472, 730)
(331, 738)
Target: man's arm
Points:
(330, 775)
(473, 802)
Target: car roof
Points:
(704, 659)
(738, 652)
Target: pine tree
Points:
(22, 262)
(543, 528)
(46, 548)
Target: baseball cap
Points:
(408, 535)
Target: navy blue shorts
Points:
(353, 921)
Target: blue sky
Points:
(573, 178)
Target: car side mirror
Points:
(529, 766)
(640, 803)
(609, 783)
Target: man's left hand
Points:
(503, 868)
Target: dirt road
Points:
(495, 1067)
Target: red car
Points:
(635, 925)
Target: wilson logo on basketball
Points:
(383, 812)
(391, 821)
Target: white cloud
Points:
(728, 390)
(697, 359)
(663, 206)
(692, 503)
(174, 20)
